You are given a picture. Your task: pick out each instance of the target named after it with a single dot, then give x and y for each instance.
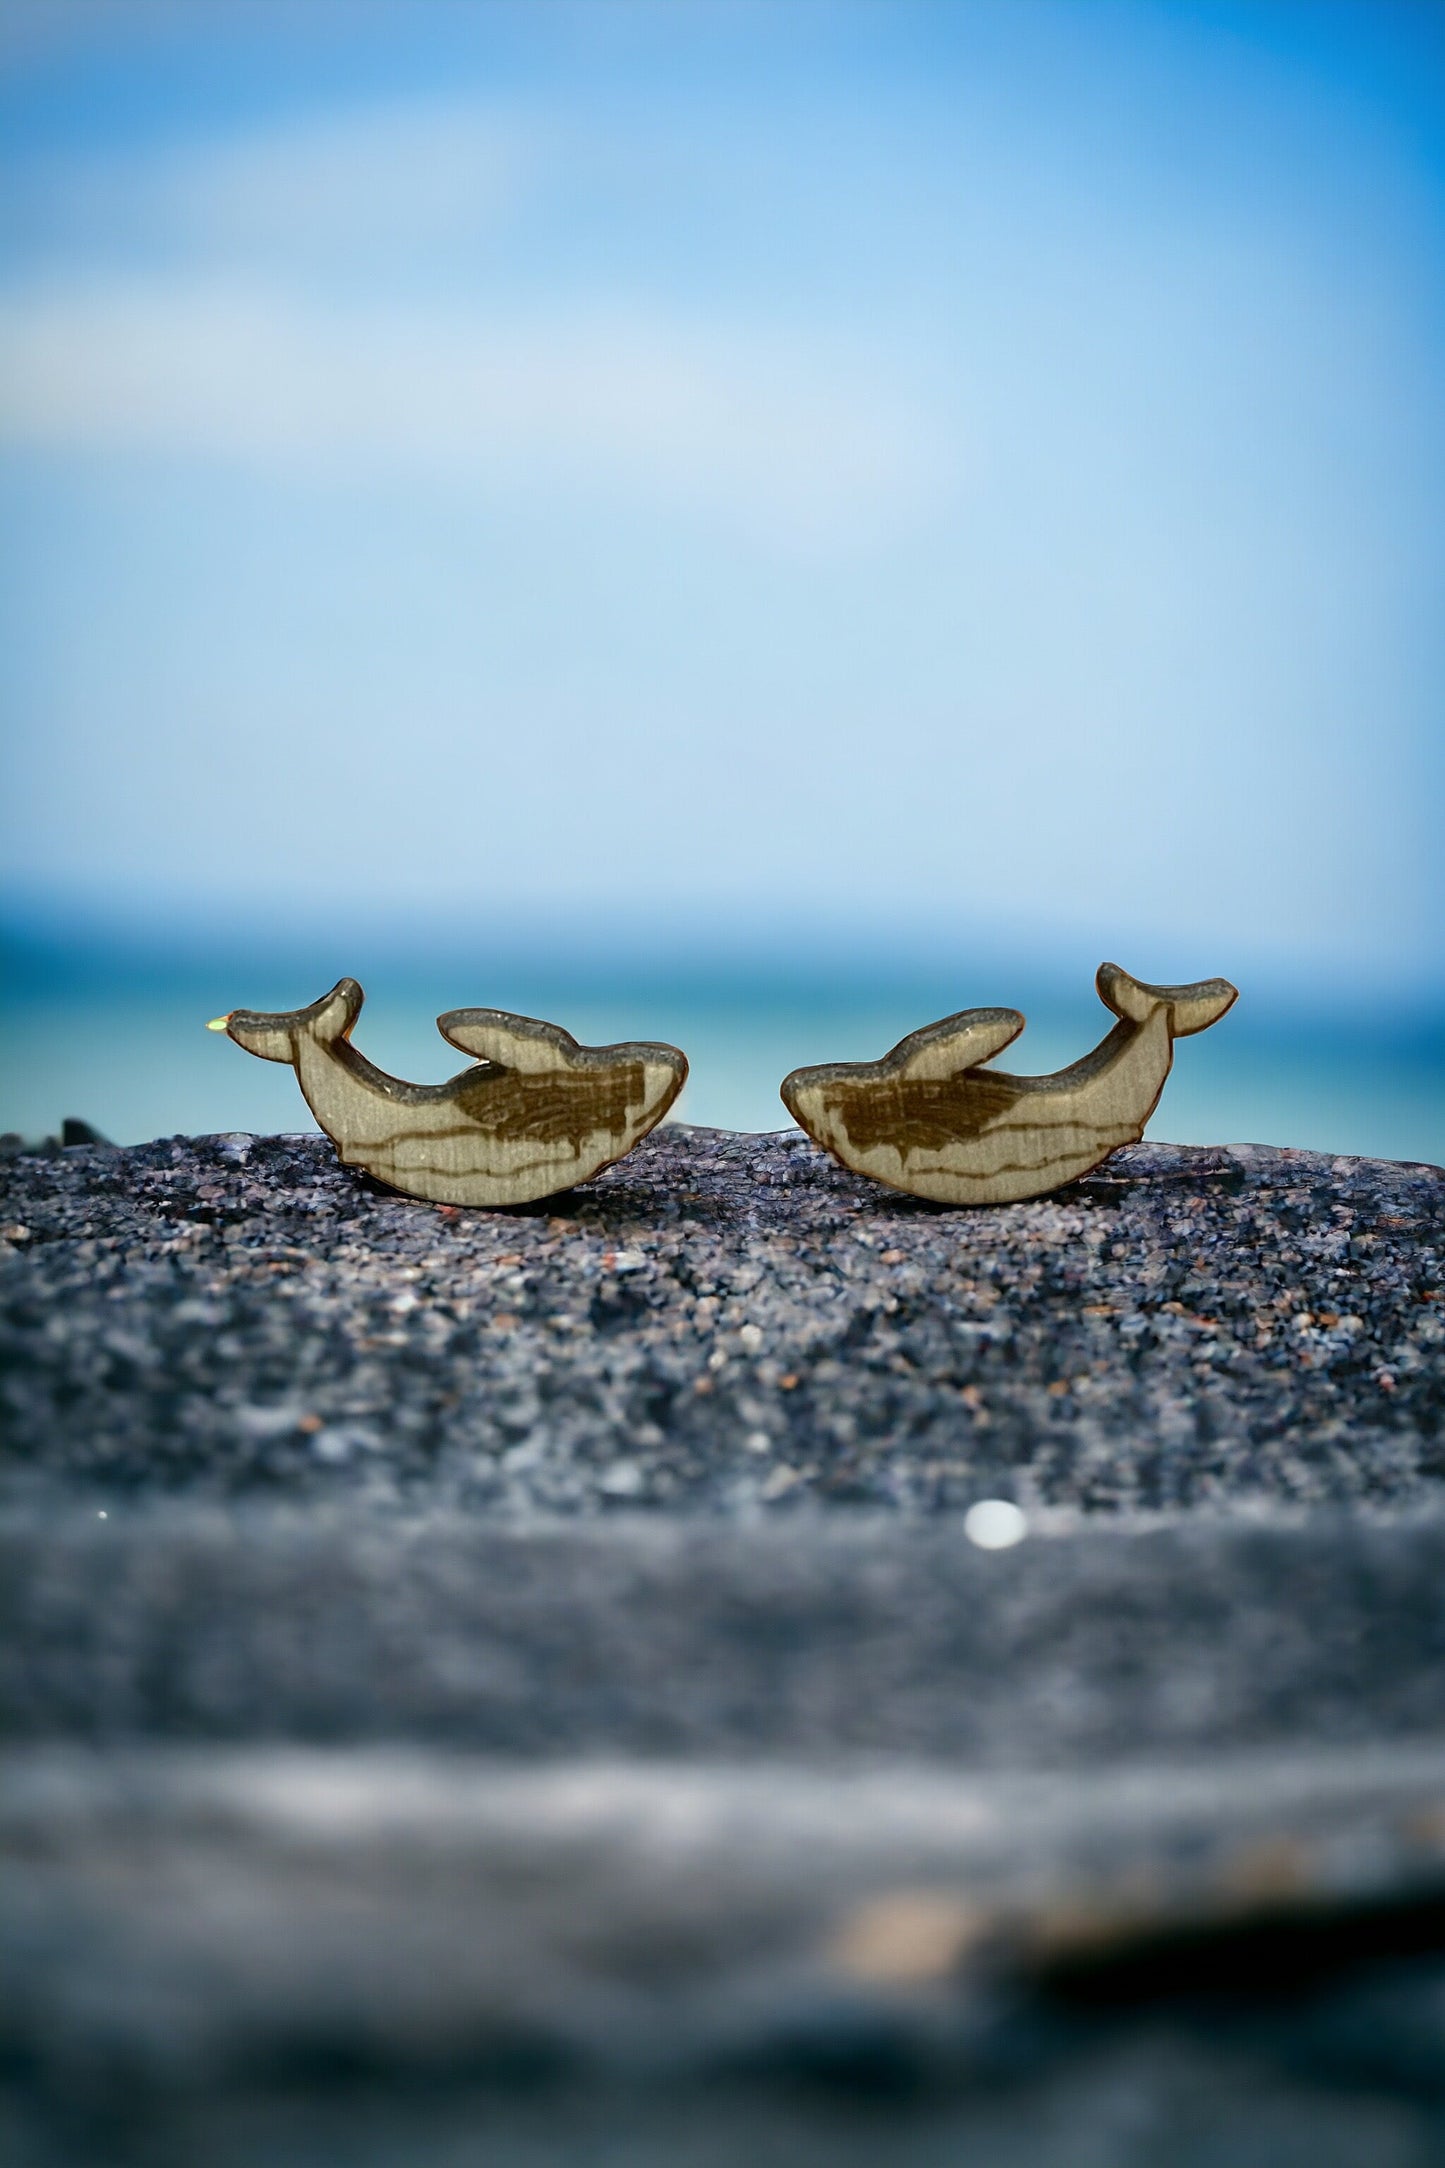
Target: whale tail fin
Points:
(274, 1036)
(1191, 1008)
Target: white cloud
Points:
(425, 287)
(776, 430)
(374, 177)
(328, 191)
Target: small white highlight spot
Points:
(624, 1479)
(995, 1525)
(758, 1441)
(102, 1516)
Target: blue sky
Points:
(792, 468)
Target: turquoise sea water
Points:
(113, 1032)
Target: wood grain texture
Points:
(535, 1114)
(932, 1120)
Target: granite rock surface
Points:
(516, 1687)
(723, 1322)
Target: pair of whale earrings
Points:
(537, 1113)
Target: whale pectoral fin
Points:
(1191, 1008)
(523, 1043)
(945, 1049)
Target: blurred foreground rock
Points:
(516, 1687)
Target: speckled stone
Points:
(725, 1322)
(517, 1687)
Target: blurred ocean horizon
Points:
(105, 1021)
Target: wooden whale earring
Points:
(534, 1115)
(930, 1119)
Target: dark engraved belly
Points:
(915, 1115)
(566, 1107)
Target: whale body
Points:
(932, 1120)
(535, 1113)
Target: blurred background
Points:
(754, 524)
